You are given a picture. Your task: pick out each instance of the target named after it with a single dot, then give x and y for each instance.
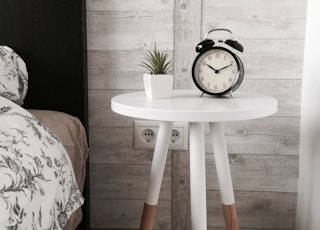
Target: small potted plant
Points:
(157, 82)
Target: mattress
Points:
(72, 135)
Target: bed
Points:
(50, 37)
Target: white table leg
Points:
(224, 175)
(198, 177)
(157, 169)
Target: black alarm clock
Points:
(217, 70)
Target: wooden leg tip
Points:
(230, 217)
(149, 212)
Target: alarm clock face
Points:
(216, 71)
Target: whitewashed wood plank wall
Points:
(263, 153)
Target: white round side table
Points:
(188, 106)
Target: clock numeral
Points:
(215, 87)
(224, 85)
(209, 57)
(230, 79)
(204, 63)
(217, 55)
(233, 71)
(202, 79)
(208, 85)
(225, 57)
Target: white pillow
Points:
(13, 75)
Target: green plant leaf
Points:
(156, 62)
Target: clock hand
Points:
(216, 71)
(224, 67)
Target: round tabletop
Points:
(187, 105)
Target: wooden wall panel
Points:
(116, 69)
(125, 5)
(118, 33)
(125, 214)
(286, 91)
(130, 30)
(124, 181)
(186, 36)
(272, 58)
(187, 32)
(258, 19)
(258, 173)
(264, 162)
(257, 210)
(181, 191)
(263, 152)
(273, 135)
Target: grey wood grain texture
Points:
(257, 173)
(187, 35)
(257, 19)
(118, 34)
(117, 69)
(187, 22)
(272, 58)
(124, 181)
(271, 135)
(256, 210)
(181, 191)
(118, 213)
(129, 30)
(274, 61)
(266, 210)
(125, 5)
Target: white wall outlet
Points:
(146, 132)
(148, 136)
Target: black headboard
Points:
(50, 36)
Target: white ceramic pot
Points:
(158, 86)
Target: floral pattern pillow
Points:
(13, 75)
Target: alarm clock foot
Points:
(230, 94)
